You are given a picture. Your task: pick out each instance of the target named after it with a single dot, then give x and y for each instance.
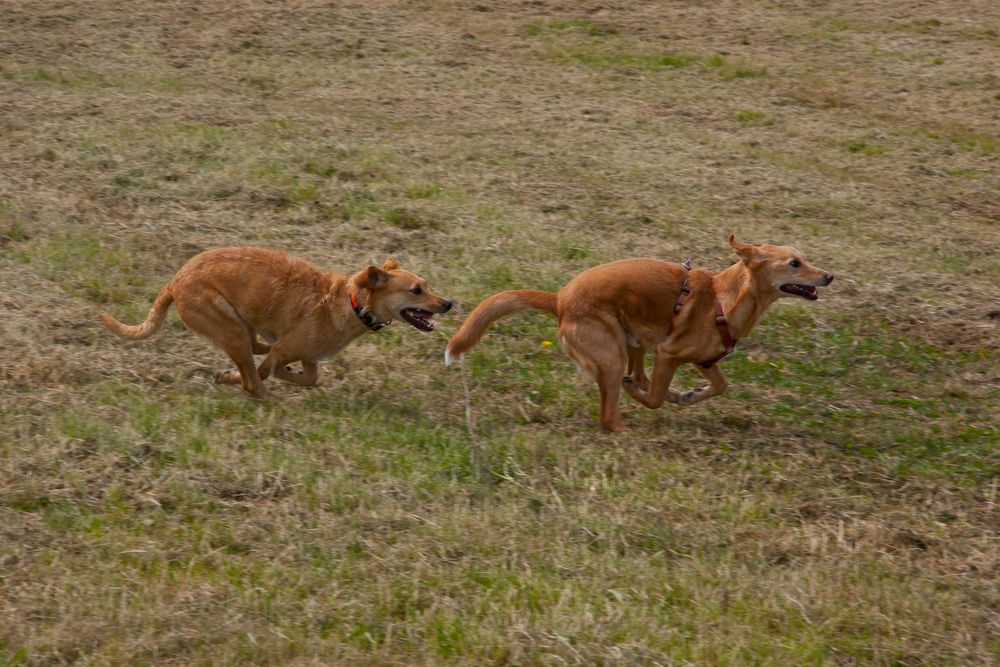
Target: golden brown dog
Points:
(229, 295)
(611, 314)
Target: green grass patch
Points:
(967, 140)
(424, 191)
(752, 118)
(975, 142)
(18, 657)
(648, 62)
(14, 223)
(969, 174)
(905, 421)
(197, 161)
(862, 147)
(86, 80)
(730, 69)
(87, 266)
(408, 218)
(581, 26)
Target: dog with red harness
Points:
(611, 315)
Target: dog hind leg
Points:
(232, 376)
(259, 347)
(636, 372)
(212, 316)
(599, 351)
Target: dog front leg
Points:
(287, 350)
(717, 385)
(664, 367)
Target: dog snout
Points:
(446, 304)
(828, 277)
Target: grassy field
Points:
(837, 507)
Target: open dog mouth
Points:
(421, 319)
(804, 291)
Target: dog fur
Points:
(230, 295)
(611, 315)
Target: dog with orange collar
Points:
(232, 295)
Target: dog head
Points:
(393, 292)
(782, 268)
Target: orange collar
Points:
(365, 316)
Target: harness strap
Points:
(365, 316)
(720, 320)
(724, 333)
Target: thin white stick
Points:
(475, 453)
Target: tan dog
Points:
(229, 295)
(611, 314)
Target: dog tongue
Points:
(807, 291)
(419, 318)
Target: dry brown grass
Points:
(837, 507)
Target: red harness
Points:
(720, 321)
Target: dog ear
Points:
(390, 264)
(371, 277)
(744, 250)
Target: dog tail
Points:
(153, 321)
(491, 310)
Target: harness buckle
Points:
(685, 288)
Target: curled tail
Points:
(153, 321)
(491, 310)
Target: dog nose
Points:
(829, 278)
(447, 305)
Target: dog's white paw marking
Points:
(447, 357)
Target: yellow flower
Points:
(546, 343)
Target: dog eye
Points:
(795, 264)
(417, 290)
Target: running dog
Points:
(610, 315)
(229, 295)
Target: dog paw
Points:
(232, 376)
(261, 394)
(687, 398)
(630, 387)
(630, 382)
